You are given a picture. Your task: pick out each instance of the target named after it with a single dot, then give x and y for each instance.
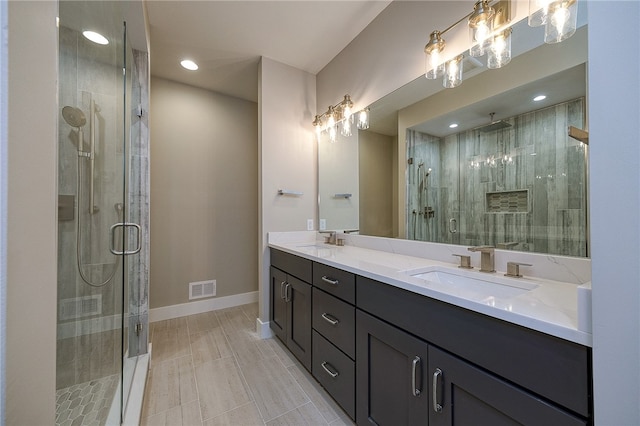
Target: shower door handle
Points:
(453, 226)
(125, 225)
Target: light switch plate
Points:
(323, 224)
(309, 224)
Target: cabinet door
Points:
(278, 320)
(299, 320)
(462, 394)
(390, 375)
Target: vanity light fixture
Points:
(480, 27)
(189, 64)
(487, 28)
(363, 119)
(95, 37)
(340, 115)
(559, 18)
(500, 50)
(453, 72)
(490, 32)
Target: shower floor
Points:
(86, 403)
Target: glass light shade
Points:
(479, 49)
(453, 73)
(345, 129)
(500, 50)
(480, 27)
(332, 134)
(363, 119)
(538, 10)
(434, 68)
(561, 22)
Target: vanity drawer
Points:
(335, 320)
(293, 265)
(334, 281)
(335, 372)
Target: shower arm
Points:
(92, 156)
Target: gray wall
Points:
(204, 191)
(534, 157)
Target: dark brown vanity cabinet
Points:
(425, 359)
(290, 303)
(392, 357)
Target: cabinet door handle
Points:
(326, 366)
(331, 320)
(282, 292)
(415, 390)
(329, 280)
(287, 293)
(437, 407)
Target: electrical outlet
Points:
(323, 224)
(309, 224)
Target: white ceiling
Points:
(227, 38)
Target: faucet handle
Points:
(465, 261)
(513, 269)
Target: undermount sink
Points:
(317, 245)
(472, 285)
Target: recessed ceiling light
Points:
(95, 37)
(453, 125)
(189, 64)
(539, 98)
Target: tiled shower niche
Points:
(522, 188)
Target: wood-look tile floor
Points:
(212, 369)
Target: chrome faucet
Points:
(487, 261)
(331, 239)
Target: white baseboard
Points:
(263, 329)
(201, 306)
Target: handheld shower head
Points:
(74, 116)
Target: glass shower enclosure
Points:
(99, 301)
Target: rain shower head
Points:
(74, 116)
(494, 125)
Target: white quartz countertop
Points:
(551, 307)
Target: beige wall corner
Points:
(287, 158)
(31, 240)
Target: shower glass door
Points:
(93, 238)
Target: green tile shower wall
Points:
(540, 158)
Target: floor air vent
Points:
(79, 307)
(201, 289)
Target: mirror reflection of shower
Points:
(76, 118)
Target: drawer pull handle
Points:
(326, 366)
(415, 390)
(329, 280)
(331, 320)
(437, 407)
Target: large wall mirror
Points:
(520, 183)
